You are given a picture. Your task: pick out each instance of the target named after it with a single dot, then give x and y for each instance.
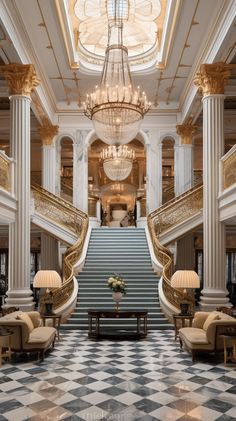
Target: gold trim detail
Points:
(5, 175)
(229, 172)
(159, 221)
(47, 133)
(211, 78)
(64, 214)
(21, 78)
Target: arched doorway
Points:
(118, 198)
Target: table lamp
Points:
(47, 279)
(185, 279)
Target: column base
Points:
(21, 298)
(212, 298)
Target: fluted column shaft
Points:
(80, 172)
(214, 292)
(184, 169)
(49, 168)
(19, 292)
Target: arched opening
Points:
(118, 198)
(168, 189)
(67, 168)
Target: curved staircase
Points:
(124, 251)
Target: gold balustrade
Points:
(67, 216)
(178, 209)
(5, 172)
(189, 202)
(229, 168)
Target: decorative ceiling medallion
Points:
(140, 30)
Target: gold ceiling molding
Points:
(21, 78)
(186, 132)
(211, 78)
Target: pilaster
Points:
(80, 171)
(184, 163)
(48, 133)
(153, 174)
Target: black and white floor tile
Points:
(138, 380)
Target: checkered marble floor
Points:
(141, 380)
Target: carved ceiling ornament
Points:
(21, 78)
(186, 132)
(47, 133)
(212, 78)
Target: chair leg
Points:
(193, 355)
(180, 343)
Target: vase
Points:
(117, 297)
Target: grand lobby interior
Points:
(118, 160)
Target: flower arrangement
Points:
(116, 284)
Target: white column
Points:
(210, 80)
(185, 168)
(214, 256)
(49, 245)
(19, 293)
(80, 172)
(49, 168)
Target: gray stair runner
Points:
(123, 251)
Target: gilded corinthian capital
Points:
(21, 78)
(186, 132)
(47, 133)
(212, 78)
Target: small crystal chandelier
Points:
(117, 162)
(116, 108)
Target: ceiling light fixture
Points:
(116, 108)
(117, 162)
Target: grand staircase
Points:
(124, 251)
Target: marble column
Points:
(80, 171)
(48, 133)
(49, 245)
(184, 164)
(22, 80)
(210, 80)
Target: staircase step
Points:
(123, 251)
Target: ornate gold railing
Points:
(178, 209)
(190, 202)
(229, 168)
(6, 172)
(67, 216)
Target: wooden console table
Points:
(95, 332)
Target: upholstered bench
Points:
(206, 332)
(28, 334)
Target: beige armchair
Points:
(205, 335)
(28, 334)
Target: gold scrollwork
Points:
(4, 174)
(229, 172)
(191, 202)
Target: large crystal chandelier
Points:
(117, 161)
(116, 108)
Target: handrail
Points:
(194, 198)
(178, 209)
(66, 215)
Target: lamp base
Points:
(48, 309)
(184, 309)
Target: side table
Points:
(181, 318)
(56, 321)
(5, 349)
(229, 348)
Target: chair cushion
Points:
(25, 318)
(212, 316)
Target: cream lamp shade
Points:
(47, 279)
(185, 279)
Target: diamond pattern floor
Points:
(140, 380)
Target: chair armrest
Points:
(217, 328)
